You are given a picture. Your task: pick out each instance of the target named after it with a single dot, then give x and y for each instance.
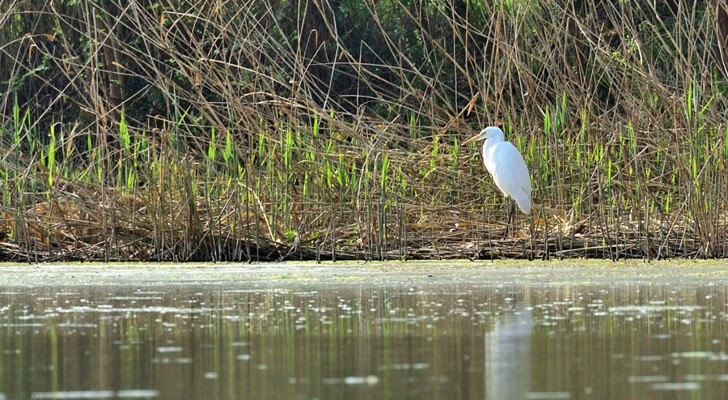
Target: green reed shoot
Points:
(124, 135)
(341, 177)
(261, 146)
(455, 156)
(315, 126)
(435, 151)
(288, 149)
(212, 146)
(227, 154)
(51, 161)
(329, 174)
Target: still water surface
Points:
(444, 334)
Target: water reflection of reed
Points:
(451, 341)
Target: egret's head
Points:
(487, 133)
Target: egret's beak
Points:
(472, 139)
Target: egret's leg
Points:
(511, 218)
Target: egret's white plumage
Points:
(506, 166)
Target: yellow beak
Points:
(472, 139)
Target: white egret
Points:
(506, 166)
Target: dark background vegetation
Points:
(273, 129)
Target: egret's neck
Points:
(490, 143)
(488, 148)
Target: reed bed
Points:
(271, 130)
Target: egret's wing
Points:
(510, 173)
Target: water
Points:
(382, 332)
